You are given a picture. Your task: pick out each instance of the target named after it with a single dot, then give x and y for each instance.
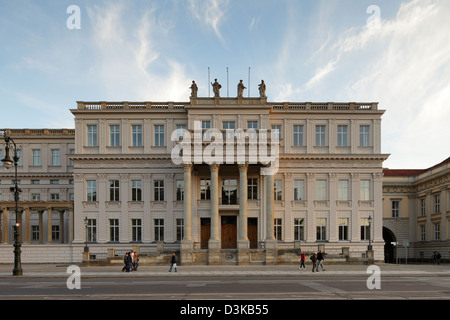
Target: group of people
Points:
(131, 261)
(436, 257)
(316, 258)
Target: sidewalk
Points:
(59, 270)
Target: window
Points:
(364, 190)
(91, 190)
(180, 229)
(34, 232)
(422, 207)
(320, 136)
(35, 182)
(180, 190)
(277, 226)
(228, 125)
(343, 190)
(136, 230)
(341, 136)
(254, 126)
(364, 136)
(298, 136)
(276, 131)
(55, 158)
(229, 191)
(321, 190)
(35, 197)
(422, 232)
(136, 190)
(114, 136)
(299, 190)
(114, 230)
(71, 151)
(114, 190)
(365, 229)
(54, 181)
(321, 229)
(436, 203)
(55, 233)
(54, 196)
(158, 190)
(343, 229)
(159, 229)
(180, 130)
(136, 135)
(395, 206)
(36, 157)
(299, 229)
(252, 188)
(92, 140)
(277, 190)
(19, 155)
(159, 136)
(205, 189)
(91, 230)
(436, 231)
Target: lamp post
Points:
(86, 248)
(8, 161)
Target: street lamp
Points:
(370, 233)
(8, 162)
(86, 248)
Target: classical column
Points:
(270, 243)
(214, 241)
(27, 225)
(61, 226)
(187, 244)
(243, 242)
(41, 226)
(243, 202)
(49, 225)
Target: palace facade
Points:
(119, 185)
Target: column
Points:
(243, 242)
(270, 256)
(214, 241)
(41, 226)
(187, 244)
(71, 222)
(49, 225)
(61, 226)
(27, 225)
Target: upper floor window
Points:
(298, 190)
(342, 136)
(136, 135)
(276, 131)
(298, 136)
(343, 190)
(436, 203)
(395, 205)
(159, 135)
(92, 136)
(321, 190)
(364, 190)
(91, 190)
(320, 136)
(114, 136)
(55, 158)
(364, 136)
(36, 157)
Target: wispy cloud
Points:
(211, 13)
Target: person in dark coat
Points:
(320, 259)
(313, 259)
(173, 262)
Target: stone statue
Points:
(216, 87)
(194, 89)
(262, 89)
(240, 89)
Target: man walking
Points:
(173, 262)
(313, 259)
(320, 259)
(302, 261)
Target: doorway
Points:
(252, 232)
(205, 232)
(229, 232)
(389, 251)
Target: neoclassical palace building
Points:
(220, 180)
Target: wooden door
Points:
(252, 232)
(205, 232)
(229, 232)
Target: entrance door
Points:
(205, 232)
(252, 232)
(229, 232)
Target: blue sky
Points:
(397, 54)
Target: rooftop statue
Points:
(262, 89)
(194, 89)
(240, 89)
(216, 87)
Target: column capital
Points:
(243, 167)
(214, 167)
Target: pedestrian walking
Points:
(173, 262)
(125, 260)
(320, 258)
(302, 261)
(313, 259)
(438, 258)
(135, 261)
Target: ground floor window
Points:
(343, 229)
(278, 229)
(91, 229)
(321, 229)
(136, 230)
(299, 229)
(159, 229)
(180, 229)
(114, 230)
